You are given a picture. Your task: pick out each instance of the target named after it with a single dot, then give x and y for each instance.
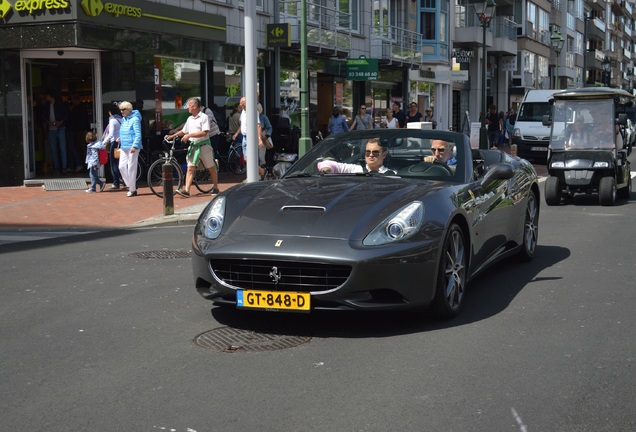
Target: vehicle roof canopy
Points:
(621, 97)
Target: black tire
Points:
(625, 192)
(203, 181)
(155, 177)
(234, 162)
(607, 191)
(552, 191)
(451, 275)
(530, 229)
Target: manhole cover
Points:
(227, 339)
(162, 254)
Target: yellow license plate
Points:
(273, 300)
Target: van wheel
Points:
(552, 191)
(607, 191)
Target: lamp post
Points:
(556, 40)
(607, 66)
(485, 16)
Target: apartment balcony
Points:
(328, 30)
(468, 31)
(594, 60)
(396, 46)
(596, 29)
(618, 8)
(616, 28)
(597, 5)
(504, 36)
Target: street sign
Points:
(278, 35)
(362, 69)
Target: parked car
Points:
(410, 238)
(594, 161)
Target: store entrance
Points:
(70, 80)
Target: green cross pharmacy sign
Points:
(362, 69)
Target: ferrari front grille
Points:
(279, 275)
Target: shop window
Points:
(180, 80)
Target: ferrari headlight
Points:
(399, 226)
(601, 164)
(212, 218)
(558, 165)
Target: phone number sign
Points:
(362, 69)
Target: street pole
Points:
(483, 132)
(251, 98)
(484, 19)
(304, 143)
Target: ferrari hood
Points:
(334, 207)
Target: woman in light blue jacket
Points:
(110, 139)
(130, 145)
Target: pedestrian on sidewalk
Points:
(110, 139)
(92, 162)
(130, 145)
(196, 131)
(363, 121)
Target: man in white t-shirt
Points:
(196, 131)
(243, 130)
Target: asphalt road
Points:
(96, 334)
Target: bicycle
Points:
(201, 180)
(233, 160)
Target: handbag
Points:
(103, 156)
(269, 144)
(116, 152)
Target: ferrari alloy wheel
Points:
(552, 191)
(607, 191)
(530, 229)
(451, 277)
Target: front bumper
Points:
(343, 277)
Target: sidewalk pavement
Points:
(35, 208)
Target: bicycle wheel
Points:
(203, 181)
(141, 166)
(234, 162)
(155, 177)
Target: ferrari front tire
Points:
(552, 191)
(451, 275)
(530, 229)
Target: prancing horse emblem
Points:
(275, 275)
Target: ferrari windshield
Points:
(583, 125)
(408, 153)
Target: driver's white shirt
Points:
(346, 168)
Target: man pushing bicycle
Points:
(196, 130)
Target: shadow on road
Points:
(488, 295)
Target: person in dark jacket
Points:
(55, 117)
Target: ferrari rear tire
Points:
(552, 191)
(607, 191)
(451, 275)
(530, 229)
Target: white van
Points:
(530, 135)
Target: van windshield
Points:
(583, 125)
(533, 111)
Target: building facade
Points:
(157, 54)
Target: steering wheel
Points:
(428, 169)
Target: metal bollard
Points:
(168, 194)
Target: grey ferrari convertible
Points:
(368, 220)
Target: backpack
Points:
(103, 156)
(214, 127)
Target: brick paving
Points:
(34, 207)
